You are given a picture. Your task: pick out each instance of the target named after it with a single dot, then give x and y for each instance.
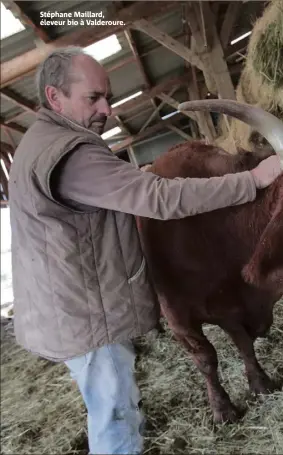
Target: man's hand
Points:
(267, 171)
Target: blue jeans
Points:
(106, 381)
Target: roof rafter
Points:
(5, 186)
(229, 21)
(181, 133)
(147, 94)
(18, 100)
(133, 47)
(174, 103)
(10, 137)
(162, 87)
(140, 136)
(122, 125)
(27, 62)
(157, 109)
(167, 41)
(132, 156)
(13, 127)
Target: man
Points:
(81, 285)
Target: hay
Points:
(42, 412)
(261, 81)
(268, 53)
(264, 63)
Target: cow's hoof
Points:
(262, 384)
(226, 413)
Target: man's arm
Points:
(95, 177)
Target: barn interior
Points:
(157, 54)
(149, 61)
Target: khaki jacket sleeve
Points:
(97, 178)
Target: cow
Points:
(223, 267)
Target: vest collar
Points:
(48, 115)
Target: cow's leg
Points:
(205, 358)
(259, 381)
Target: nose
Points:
(104, 107)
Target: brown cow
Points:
(224, 267)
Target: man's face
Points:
(88, 103)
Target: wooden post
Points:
(211, 52)
(132, 156)
(181, 133)
(203, 118)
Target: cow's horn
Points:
(265, 123)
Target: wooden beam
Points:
(206, 18)
(140, 136)
(5, 158)
(27, 62)
(7, 148)
(140, 112)
(119, 63)
(204, 120)
(173, 103)
(19, 13)
(13, 127)
(167, 41)
(148, 94)
(15, 117)
(229, 21)
(233, 51)
(122, 125)
(155, 47)
(163, 86)
(18, 100)
(198, 44)
(4, 182)
(158, 109)
(132, 156)
(215, 8)
(214, 62)
(133, 47)
(180, 132)
(10, 138)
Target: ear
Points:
(54, 98)
(265, 268)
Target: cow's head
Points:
(265, 267)
(265, 124)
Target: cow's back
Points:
(200, 255)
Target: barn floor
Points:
(42, 412)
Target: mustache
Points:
(99, 118)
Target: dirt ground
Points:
(42, 411)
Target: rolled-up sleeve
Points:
(95, 177)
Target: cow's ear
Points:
(265, 268)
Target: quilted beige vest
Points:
(79, 277)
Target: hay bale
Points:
(261, 81)
(265, 53)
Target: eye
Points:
(93, 98)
